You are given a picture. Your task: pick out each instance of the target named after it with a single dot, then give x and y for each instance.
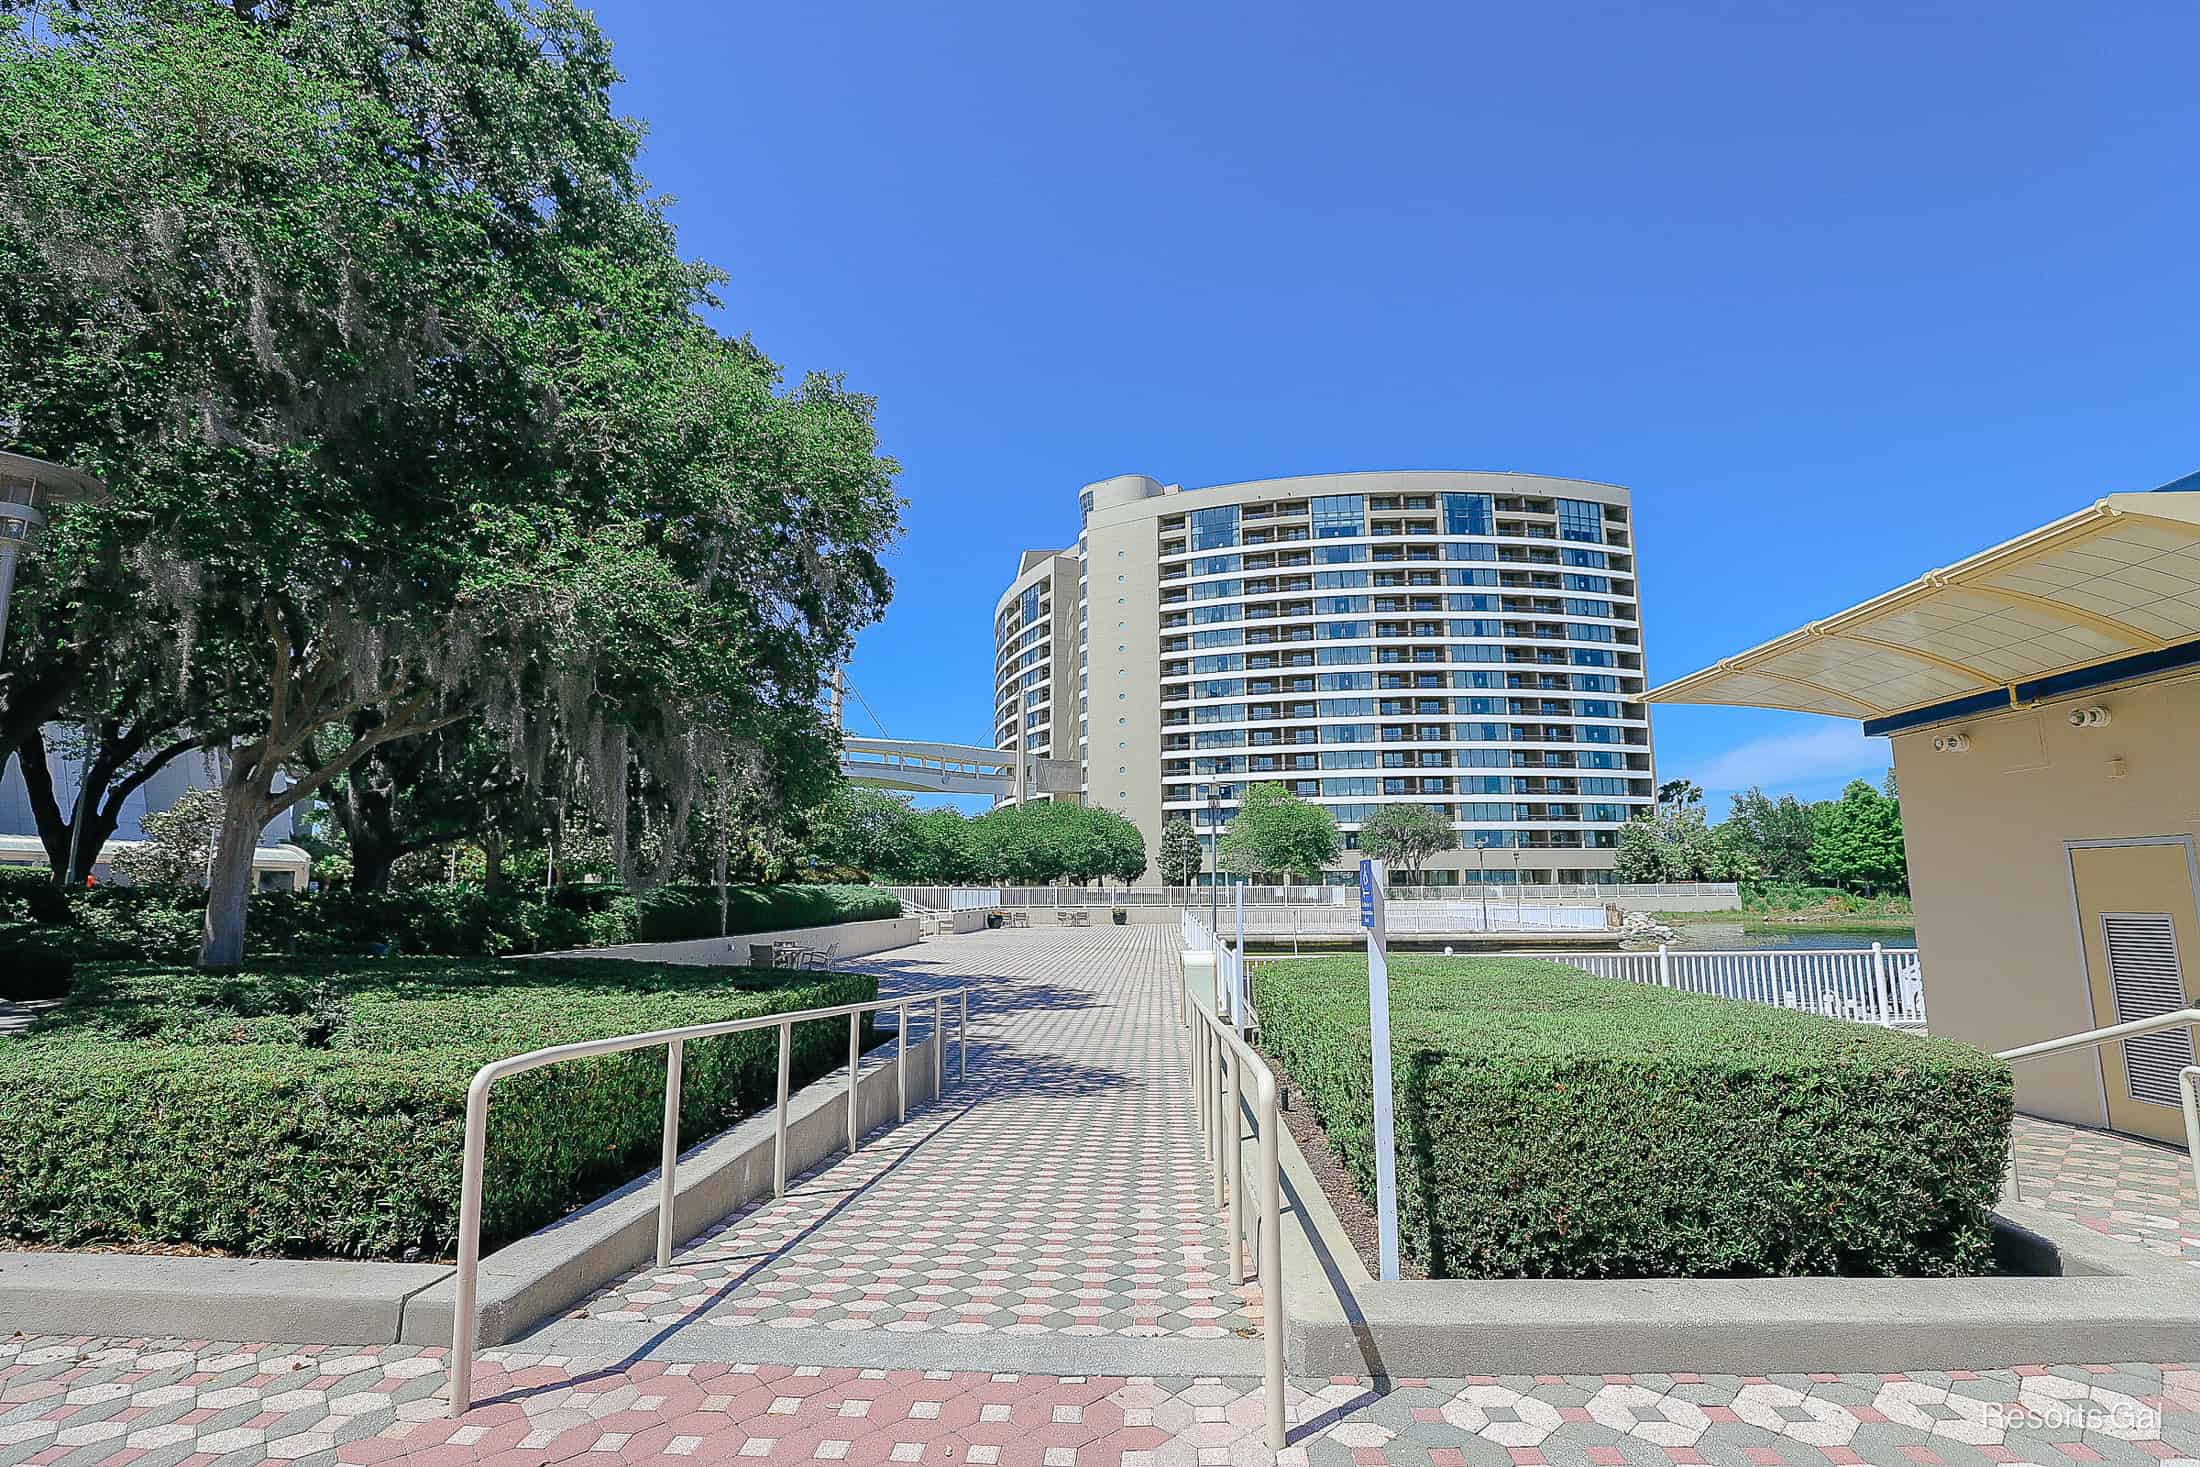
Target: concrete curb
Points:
(283, 1301)
(324, 1302)
(2102, 1300)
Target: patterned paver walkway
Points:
(1056, 1200)
(1058, 1191)
(159, 1405)
(2133, 1191)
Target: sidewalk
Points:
(1028, 1273)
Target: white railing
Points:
(1221, 1061)
(464, 1320)
(1872, 985)
(2188, 1078)
(1233, 991)
(1313, 895)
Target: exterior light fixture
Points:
(28, 488)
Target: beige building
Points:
(1034, 659)
(2043, 701)
(1467, 641)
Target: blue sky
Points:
(1843, 293)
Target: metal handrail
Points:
(2188, 1079)
(465, 1325)
(1220, 1062)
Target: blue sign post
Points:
(1372, 882)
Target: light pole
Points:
(1482, 876)
(28, 488)
(1214, 862)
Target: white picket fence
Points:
(1872, 985)
(1869, 985)
(960, 898)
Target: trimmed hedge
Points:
(317, 1109)
(683, 913)
(44, 929)
(1555, 1125)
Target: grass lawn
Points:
(309, 1107)
(1555, 1125)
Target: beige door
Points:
(2142, 958)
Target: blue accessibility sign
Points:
(1367, 895)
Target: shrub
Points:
(28, 892)
(682, 913)
(317, 1108)
(36, 961)
(1555, 1125)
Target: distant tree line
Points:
(871, 833)
(1854, 842)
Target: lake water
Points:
(1733, 936)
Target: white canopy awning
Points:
(2116, 580)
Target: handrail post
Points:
(855, 1028)
(2188, 1090)
(1271, 1258)
(779, 1139)
(468, 1277)
(1665, 967)
(1884, 1009)
(1217, 1087)
(668, 1166)
(939, 1045)
(962, 1038)
(901, 1062)
(1234, 1146)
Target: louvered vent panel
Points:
(2147, 981)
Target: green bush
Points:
(28, 892)
(148, 923)
(36, 961)
(317, 1108)
(1555, 1125)
(681, 913)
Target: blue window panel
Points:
(1216, 565)
(1581, 606)
(1478, 627)
(1220, 687)
(1592, 657)
(1339, 554)
(1338, 580)
(1470, 551)
(1031, 606)
(1209, 615)
(1587, 559)
(1582, 631)
(1596, 733)
(1581, 519)
(1348, 733)
(1481, 733)
(1597, 759)
(1353, 786)
(1470, 578)
(1596, 708)
(1214, 528)
(1343, 631)
(1228, 738)
(1468, 514)
(1344, 656)
(1344, 682)
(1339, 516)
(1217, 590)
(1574, 581)
(1471, 603)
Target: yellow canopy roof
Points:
(2119, 578)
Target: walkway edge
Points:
(2111, 1299)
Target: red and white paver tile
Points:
(159, 1404)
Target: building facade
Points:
(2040, 697)
(1466, 641)
(1034, 664)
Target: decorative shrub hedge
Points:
(1555, 1125)
(317, 1108)
(681, 913)
(43, 931)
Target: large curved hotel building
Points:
(1469, 641)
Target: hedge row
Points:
(681, 913)
(317, 1109)
(44, 932)
(1555, 1125)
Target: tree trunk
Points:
(371, 864)
(492, 866)
(245, 809)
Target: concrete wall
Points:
(855, 940)
(1996, 917)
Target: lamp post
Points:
(28, 488)
(1214, 861)
(1482, 876)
